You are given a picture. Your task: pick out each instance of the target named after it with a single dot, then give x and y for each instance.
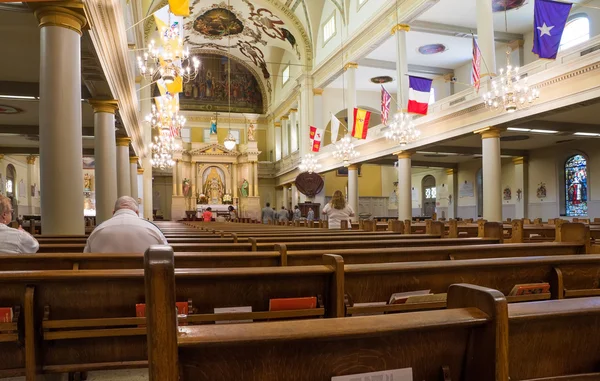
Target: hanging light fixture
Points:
(402, 129)
(309, 163)
(345, 151)
(229, 141)
(166, 125)
(509, 91)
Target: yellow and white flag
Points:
(169, 25)
(180, 7)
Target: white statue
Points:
(251, 130)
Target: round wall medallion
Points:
(382, 79)
(432, 49)
(218, 22)
(309, 184)
(502, 5)
(4, 109)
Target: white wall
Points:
(20, 164)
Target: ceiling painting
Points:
(218, 22)
(502, 5)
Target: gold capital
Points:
(400, 27)
(350, 65)
(519, 160)
(292, 110)
(31, 159)
(1, 156)
(277, 124)
(404, 155)
(123, 142)
(67, 14)
(488, 133)
(285, 117)
(450, 171)
(140, 171)
(108, 106)
(317, 91)
(354, 167)
(133, 159)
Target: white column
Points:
(123, 168)
(350, 77)
(175, 179)
(492, 187)
(146, 108)
(61, 172)
(293, 130)
(285, 202)
(180, 165)
(294, 195)
(141, 185)
(318, 120)
(30, 181)
(255, 171)
(520, 184)
(306, 113)
(194, 180)
(451, 183)
(400, 31)
(278, 137)
(485, 37)
(285, 135)
(404, 186)
(353, 189)
(133, 175)
(105, 157)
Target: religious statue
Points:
(393, 199)
(87, 182)
(213, 187)
(244, 188)
(251, 130)
(186, 187)
(213, 126)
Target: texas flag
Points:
(418, 94)
(316, 142)
(550, 18)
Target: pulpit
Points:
(315, 207)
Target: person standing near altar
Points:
(297, 213)
(267, 214)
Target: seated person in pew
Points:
(337, 210)
(207, 215)
(124, 232)
(267, 214)
(14, 241)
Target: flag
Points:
(386, 101)
(316, 142)
(361, 123)
(162, 87)
(313, 131)
(549, 19)
(476, 70)
(418, 94)
(335, 128)
(176, 86)
(180, 7)
(169, 26)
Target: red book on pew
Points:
(287, 304)
(530, 289)
(6, 315)
(182, 309)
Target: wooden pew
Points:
(430, 343)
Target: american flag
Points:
(476, 72)
(386, 100)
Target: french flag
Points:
(418, 94)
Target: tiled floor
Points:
(114, 375)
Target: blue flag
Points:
(549, 21)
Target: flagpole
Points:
(139, 22)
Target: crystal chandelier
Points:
(166, 124)
(171, 62)
(162, 149)
(344, 150)
(309, 163)
(402, 129)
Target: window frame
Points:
(283, 76)
(327, 21)
(570, 20)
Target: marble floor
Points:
(113, 375)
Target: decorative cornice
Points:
(404, 155)
(65, 14)
(140, 171)
(400, 27)
(123, 142)
(519, 160)
(350, 65)
(488, 133)
(107, 106)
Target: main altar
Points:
(213, 176)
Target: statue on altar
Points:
(87, 182)
(213, 187)
(251, 130)
(213, 126)
(244, 188)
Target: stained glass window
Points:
(9, 186)
(576, 184)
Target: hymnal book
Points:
(288, 304)
(387, 375)
(370, 304)
(530, 289)
(6, 315)
(226, 310)
(429, 298)
(400, 297)
(182, 309)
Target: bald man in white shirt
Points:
(125, 231)
(14, 241)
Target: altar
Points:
(217, 209)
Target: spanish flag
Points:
(180, 7)
(361, 123)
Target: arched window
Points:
(576, 31)
(576, 186)
(11, 177)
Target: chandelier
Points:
(230, 141)
(162, 149)
(166, 124)
(309, 163)
(402, 129)
(171, 62)
(344, 150)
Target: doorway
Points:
(429, 196)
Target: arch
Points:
(428, 195)
(479, 195)
(577, 30)
(208, 166)
(11, 181)
(576, 186)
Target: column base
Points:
(178, 208)
(250, 207)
